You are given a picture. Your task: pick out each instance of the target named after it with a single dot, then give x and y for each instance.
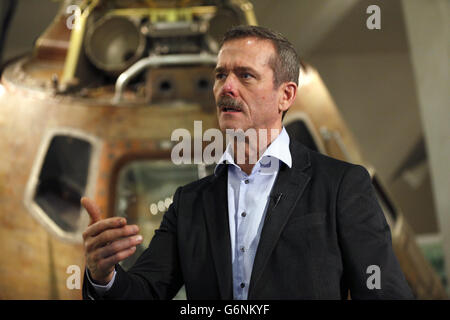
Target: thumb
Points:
(92, 209)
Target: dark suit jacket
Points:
(316, 243)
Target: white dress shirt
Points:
(248, 198)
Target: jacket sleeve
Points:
(156, 275)
(371, 269)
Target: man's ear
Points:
(288, 94)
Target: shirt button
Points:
(242, 285)
(243, 214)
(242, 249)
(246, 181)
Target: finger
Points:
(92, 209)
(111, 235)
(116, 258)
(116, 246)
(102, 225)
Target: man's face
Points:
(243, 87)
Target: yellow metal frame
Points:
(76, 40)
(247, 8)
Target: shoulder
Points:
(198, 184)
(327, 167)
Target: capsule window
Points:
(59, 178)
(62, 180)
(144, 192)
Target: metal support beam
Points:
(428, 29)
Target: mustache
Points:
(226, 101)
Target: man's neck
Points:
(253, 148)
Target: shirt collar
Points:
(279, 149)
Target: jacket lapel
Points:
(215, 201)
(290, 183)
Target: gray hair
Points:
(285, 65)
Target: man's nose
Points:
(230, 86)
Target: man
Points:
(310, 228)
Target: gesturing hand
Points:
(107, 242)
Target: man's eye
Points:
(220, 76)
(246, 76)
